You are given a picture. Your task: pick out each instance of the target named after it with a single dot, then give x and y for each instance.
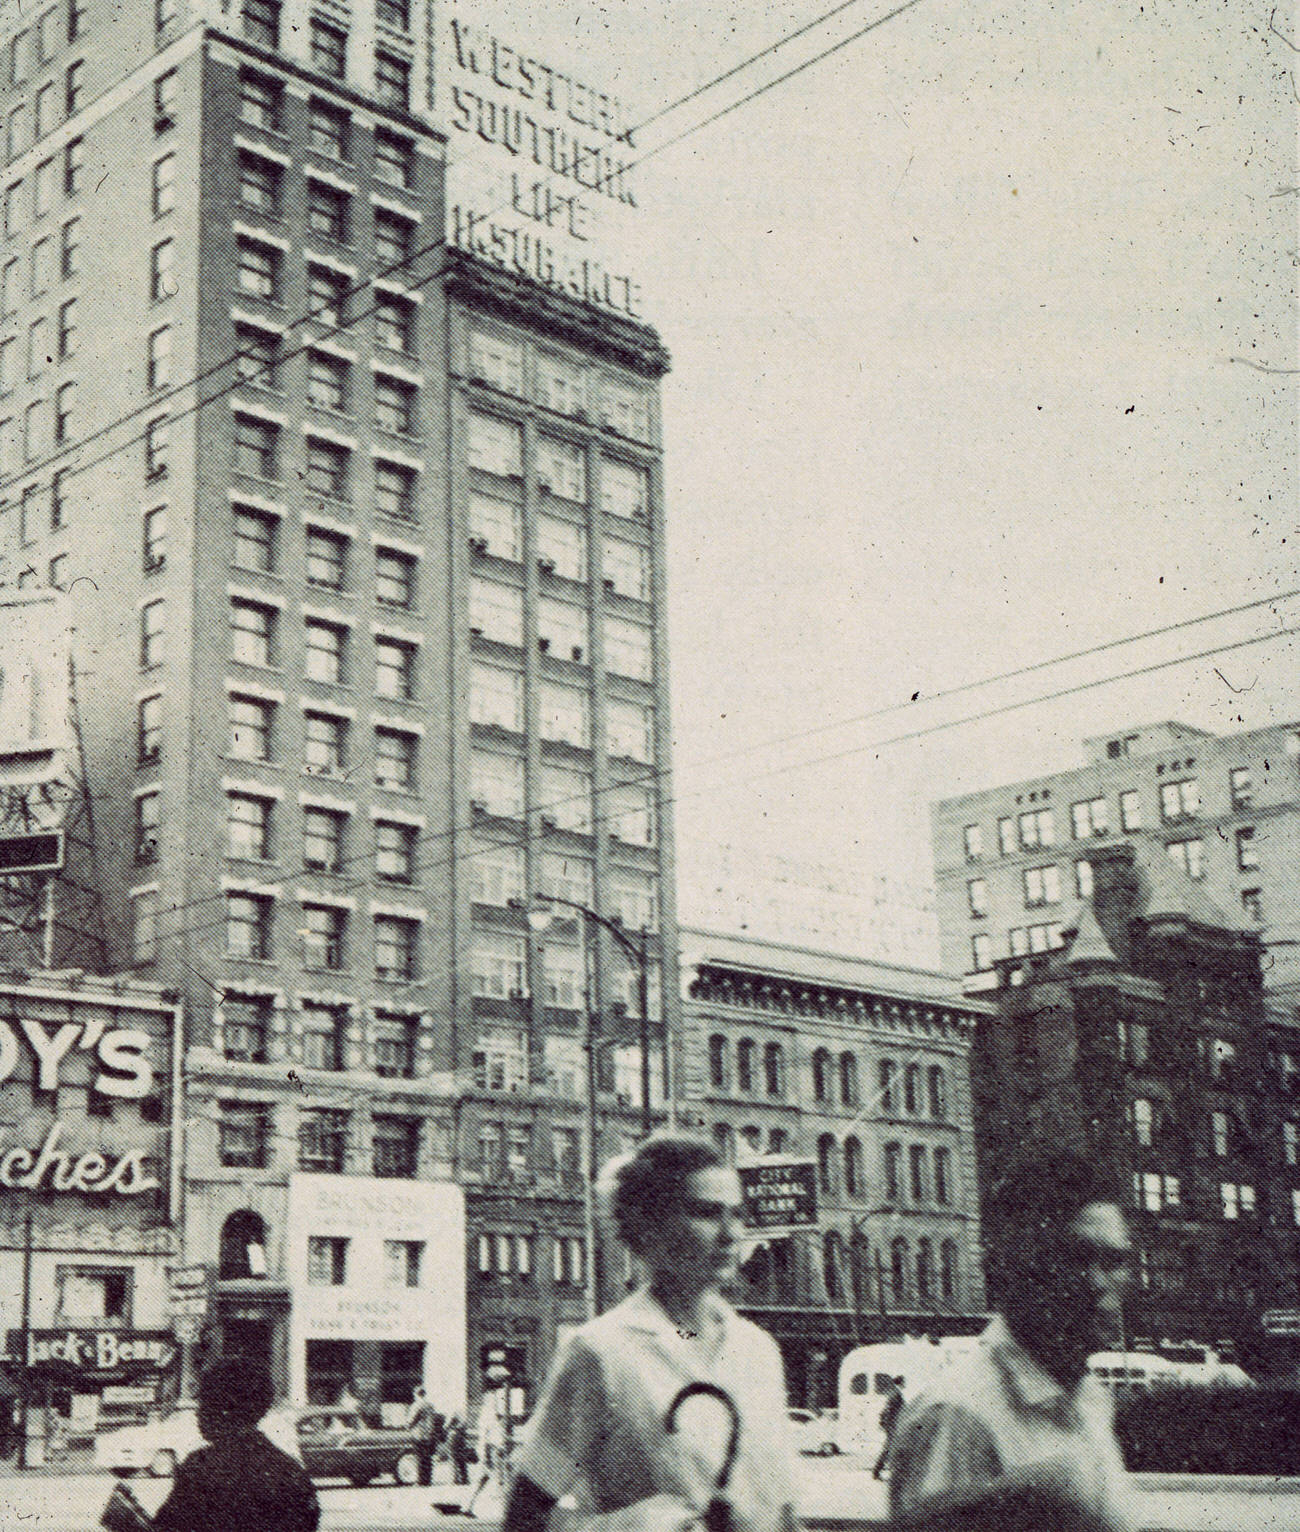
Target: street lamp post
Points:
(637, 947)
(540, 913)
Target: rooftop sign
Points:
(35, 697)
(539, 165)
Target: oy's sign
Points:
(102, 1043)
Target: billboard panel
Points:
(35, 693)
(539, 164)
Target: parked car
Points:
(338, 1444)
(815, 1433)
(156, 1447)
(159, 1445)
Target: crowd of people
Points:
(668, 1412)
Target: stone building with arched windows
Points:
(860, 1068)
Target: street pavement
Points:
(836, 1493)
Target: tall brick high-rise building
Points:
(363, 540)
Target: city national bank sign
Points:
(81, 1042)
(539, 166)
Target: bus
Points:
(866, 1374)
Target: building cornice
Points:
(624, 341)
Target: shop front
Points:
(87, 1199)
(377, 1293)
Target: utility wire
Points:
(156, 402)
(528, 836)
(653, 773)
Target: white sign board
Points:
(374, 1302)
(35, 695)
(539, 164)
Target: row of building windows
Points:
(1227, 1136)
(911, 1090)
(849, 1271)
(329, 129)
(247, 1027)
(561, 469)
(627, 810)
(244, 1139)
(496, 694)
(322, 929)
(32, 198)
(562, 551)
(563, 385)
(496, 613)
(327, 44)
(1179, 800)
(33, 46)
(563, 798)
(506, 1255)
(564, 713)
(497, 874)
(53, 102)
(1159, 1192)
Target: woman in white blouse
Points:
(602, 1431)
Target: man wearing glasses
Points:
(1018, 1436)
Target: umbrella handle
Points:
(710, 1391)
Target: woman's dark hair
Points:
(641, 1186)
(238, 1389)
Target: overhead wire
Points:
(529, 836)
(653, 773)
(156, 402)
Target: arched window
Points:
(925, 1271)
(938, 1093)
(916, 1158)
(718, 1061)
(776, 1140)
(833, 1263)
(745, 1053)
(753, 1137)
(854, 1184)
(774, 1069)
(242, 1251)
(885, 1072)
(848, 1079)
(821, 1067)
(860, 1269)
(898, 1276)
(948, 1270)
(912, 1089)
(725, 1139)
(893, 1172)
(826, 1163)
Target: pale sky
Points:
(953, 317)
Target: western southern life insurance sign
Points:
(539, 165)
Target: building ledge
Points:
(624, 341)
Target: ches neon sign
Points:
(121, 1068)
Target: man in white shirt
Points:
(1017, 1435)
